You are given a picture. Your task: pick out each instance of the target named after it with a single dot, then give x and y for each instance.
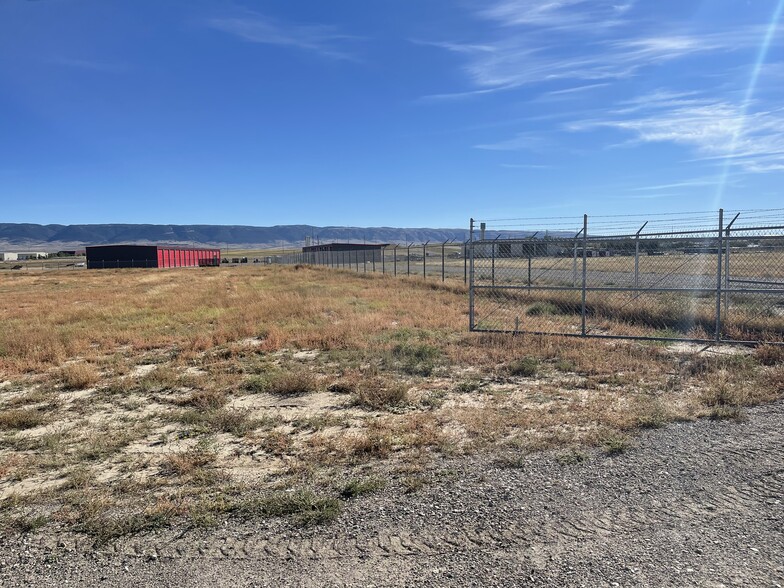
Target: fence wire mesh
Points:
(430, 261)
(697, 277)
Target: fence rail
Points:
(699, 277)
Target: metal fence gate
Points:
(701, 277)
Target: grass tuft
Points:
(571, 457)
(542, 309)
(304, 506)
(526, 367)
(358, 487)
(416, 359)
(283, 383)
(378, 393)
(770, 355)
(187, 463)
(615, 444)
(220, 420)
(21, 418)
(78, 376)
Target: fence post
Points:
(637, 261)
(443, 247)
(465, 262)
(471, 281)
(574, 259)
(492, 256)
(585, 268)
(408, 260)
(718, 275)
(364, 260)
(424, 259)
(530, 252)
(727, 268)
(384, 260)
(637, 256)
(574, 262)
(394, 259)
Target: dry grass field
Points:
(133, 399)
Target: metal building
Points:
(367, 252)
(519, 248)
(115, 256)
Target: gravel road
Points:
(698, 504)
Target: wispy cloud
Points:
(683, 184)
(539, 41)
(562, 14)
(582, 45)
(521, 142)
(514, 61)
(574, 90)
(715, 129)
(253, 27)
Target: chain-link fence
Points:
(44, 264)
(430, 261)
(696, 277)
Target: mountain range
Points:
(52, 237)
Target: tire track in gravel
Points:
(691, 504)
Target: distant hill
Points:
(15, 235)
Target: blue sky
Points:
(386, 112)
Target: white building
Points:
(24, 255)
(520, 248)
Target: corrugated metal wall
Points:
(170, 257)
(118, 256)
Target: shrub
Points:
(526, 367)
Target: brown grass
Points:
(186, 463)
(77, 376)
(21, 418)
(378, 392)
(770, 355)
(201, 388)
